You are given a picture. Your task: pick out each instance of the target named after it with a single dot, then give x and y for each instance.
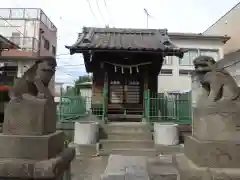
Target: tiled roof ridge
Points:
(123, 30)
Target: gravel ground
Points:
(89, 168)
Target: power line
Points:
(66, 55)
(105, 3)
(92, 11)
(71, 65)
(101, 12)
(62, 55)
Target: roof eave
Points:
(16, 58)
(74, 50)
(224, 39)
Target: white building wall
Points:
(58, 89)
(228, 25)
(87, 93)
(181, 83)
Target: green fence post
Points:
(145, 105)
(60, 106)
(104, 104)
(148, 106)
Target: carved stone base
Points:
(31, 169)
(213, 154)
(181, 168)
(29, 116)
(190, 171)
(217, 121)
(31, 147)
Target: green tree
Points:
(82, 79)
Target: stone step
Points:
(126, 167)
(129, 152)
(127, 127)
(86, 150)
(113, 144)
(173, 149)
(130, 136)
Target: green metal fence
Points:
(168, 107)
(76, 105)
(71, 107)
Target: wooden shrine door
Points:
(125, 90)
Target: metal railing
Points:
(76, 105)
(25, 43)
(168, 107)
(27, 14)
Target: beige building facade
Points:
(228, 25)
(175, 74)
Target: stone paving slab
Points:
(88, 168)
(163, 168)
(126, 168)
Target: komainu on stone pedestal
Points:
(32, 110)
(216, 136)
(30, 146)
(212, 152)
(217, 112)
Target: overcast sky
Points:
(71, 15)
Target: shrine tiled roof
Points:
(152, 40)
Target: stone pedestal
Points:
(188, 170)
(30, 116)
(213, 154)
(30, 146)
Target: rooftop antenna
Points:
(148, 15)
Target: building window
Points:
(185, 72)
(188, 57)
(46, 44)
(166, 72)
(212, 53)
(54, 50)
(168, 60)
(16, 38)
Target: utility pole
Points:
(148, 15)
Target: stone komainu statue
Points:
(35, 80)
(217, 111)
(31, 109)
(217, 78)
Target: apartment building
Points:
(229, 25)
(175, 74)
(6, 68)
(30, 29)
(5, 44)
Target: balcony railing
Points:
(27, 13)
(25, 43)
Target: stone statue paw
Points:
(41, 96)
